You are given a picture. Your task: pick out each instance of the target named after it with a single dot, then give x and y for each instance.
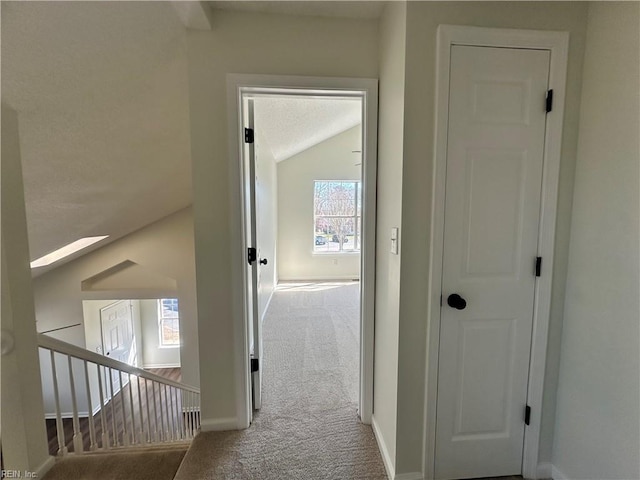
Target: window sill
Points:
(168, 347)
(335, 254)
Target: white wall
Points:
(597, 417)
(165, 249)
(153, 355)
(246, 43)
(93, 325)
(390, 153)
(145, 324)
(422, 21)
(22, 408)
(331, 159)
(267, 218)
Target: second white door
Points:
(495, 152)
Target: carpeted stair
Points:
(153, 463)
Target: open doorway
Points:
(307, 176)
(140, 332)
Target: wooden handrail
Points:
(74, 351)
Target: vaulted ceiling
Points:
(101, 92)
(294, 124)
(102, 99)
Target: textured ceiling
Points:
(327, 8)
(293, 124)
(101, 92)
(102, 99)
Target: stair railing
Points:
(125, 405)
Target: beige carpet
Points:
(154, 464)
(308, 427)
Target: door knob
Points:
(456, 301)
(263, 261)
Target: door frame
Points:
(557, 43)
(367, 89)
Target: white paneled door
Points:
(118, 341)
(254, 261)
(494, 172)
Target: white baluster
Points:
(166, 412)
(179, 413)
(191, 414)
(197, 395)
(62, 448)
(146, 392)
(125, 436)
(142, 438)
(159, 433)
(116, 442)
(103, 417)
(133, 416)
(78, 446)
(92, 427)
(174, 426)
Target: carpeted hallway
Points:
(308, 426)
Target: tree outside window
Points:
(337, 216)
(169, 322)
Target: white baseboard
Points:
(328, 278)
(53, 416)
(42, 470)
(266, 308)
(544, 471)
(160, 365)
(409, 476)
(557, 474)
(382, 446)
(219, 424)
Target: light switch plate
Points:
(394, 240)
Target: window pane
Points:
(169, 307)
(335, 198)
(169, 321)
(170, 331)
(336, 204)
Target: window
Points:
(169, 322)
(337, 216)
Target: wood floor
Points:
(148, 423)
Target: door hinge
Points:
(255, 365)
(527, 414)
(252, 255)
(248, 135)
(549, 103)
(538, 266)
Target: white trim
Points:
(386, 457)
(42, 470)
(557, 43)
(161, 365)
(545, 470)
(85, 414)
(409, 476)
(266, 307)
(219, 424)
(321, 278)
(557, 474)
(384, 451)
(367, 89)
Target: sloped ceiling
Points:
(101, 92)
(294, 124)
(327, 8)
(128, 275)
(102, 99)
